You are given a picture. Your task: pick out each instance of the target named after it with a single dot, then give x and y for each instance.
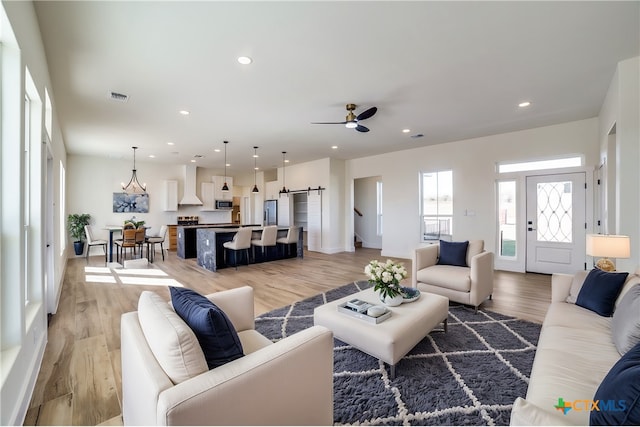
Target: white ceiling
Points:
(448, 70)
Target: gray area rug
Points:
(469, 376)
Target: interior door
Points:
(556, 227)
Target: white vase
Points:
(392, 301)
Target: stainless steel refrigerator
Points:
(270, 212)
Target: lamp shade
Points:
(608, 246)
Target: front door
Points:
(556, 227)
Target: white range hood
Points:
(190, 197)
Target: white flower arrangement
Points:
(386, 277)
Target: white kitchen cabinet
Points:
(170, 202)
(208, 196)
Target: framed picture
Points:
(123, 202)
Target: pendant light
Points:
(225, 187)
(284, 188)
(134, 185)
(255, 170)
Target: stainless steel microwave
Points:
(224, 204)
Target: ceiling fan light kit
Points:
(351, 121)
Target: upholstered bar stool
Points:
(267, 239)
(241, 242)
(292, 237)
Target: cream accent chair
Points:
(165, 379)
(466, 285)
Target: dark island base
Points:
(211, 252)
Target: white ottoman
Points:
(391, 339)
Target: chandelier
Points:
(255, 170)
(134, 185)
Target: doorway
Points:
(556, 223)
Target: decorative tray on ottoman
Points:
(344, 308)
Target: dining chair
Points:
(153, 240)
(267, 239)
(128, 241)
(92, 241)
(140, 239)
(241, 242)
(292, 238)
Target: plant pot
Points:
(79, 247)
(392, 301)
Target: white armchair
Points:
(289, 382)
(466, 285)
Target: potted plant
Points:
(75, 225)
(386, 280)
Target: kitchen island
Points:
(210, 252)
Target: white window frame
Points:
(444, 227)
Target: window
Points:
(26, 195)
(565, 162)
(379, 207)
(507, 218)
(63, 225)
(437, 205)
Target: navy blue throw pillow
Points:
(618, 395)
(600, 290)
(453, 253)
(215, 332)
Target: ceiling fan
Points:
(352, 120)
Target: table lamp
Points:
(608, 246)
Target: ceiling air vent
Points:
(417, 135)
(119, 97)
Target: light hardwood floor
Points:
(80, 379)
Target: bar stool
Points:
(267, 239)
(292, 238)
(241, 241)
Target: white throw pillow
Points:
(172, 342)
(576, 285)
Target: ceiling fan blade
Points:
(328, 123)
(361, 128)
(367, 113)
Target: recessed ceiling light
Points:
(245, 60)
(524, 104)
(286, 161)
(152, 156)
(217, 150)
(193, 160)
(335, 147)
(228, 165)
(406, 130)
(170, 143)
(184, 112)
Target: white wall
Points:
(621, 108)
(95, 194)
(473, 163)
(24, 332)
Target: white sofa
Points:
(469, 285)
(575, 352)
(289, 382)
